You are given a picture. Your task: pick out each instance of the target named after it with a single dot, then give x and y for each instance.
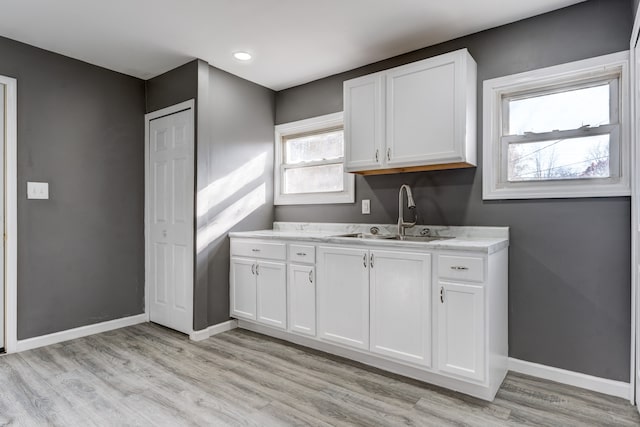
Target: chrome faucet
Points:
(411, 204)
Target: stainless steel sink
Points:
(369, 236)
(393, 237)
(423, 238)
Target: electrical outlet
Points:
(366, 207)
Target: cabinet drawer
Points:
(302, 253)
(461, 268)
(257, 249)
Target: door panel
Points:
(401, 305)
(302, 300)
(343, 296)
(364, 122)
(243, 288)
(171, 221)
(272, 293)
(421, 111)
(461, 330)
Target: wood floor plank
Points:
(146, 375)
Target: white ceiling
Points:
(292, 41)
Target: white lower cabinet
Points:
(343, 296)
(401, 305)
(436, 315)
(258, 282)
(302, 299)
(259, 291)
(461, 330)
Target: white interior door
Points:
(2, 281)
(171, 220)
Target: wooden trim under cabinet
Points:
(423, 168)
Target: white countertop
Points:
(475, 239)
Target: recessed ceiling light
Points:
(242, 56)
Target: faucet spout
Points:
(411, 204)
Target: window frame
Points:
(499, 91)
(312, 125)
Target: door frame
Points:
(183, 106)
(634, 394)
(10, 284)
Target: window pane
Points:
(560, 111)
(575, 158)
(309, 148)
(314, 179)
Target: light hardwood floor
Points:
(148, 375)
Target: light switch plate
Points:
(38, 190)
(366, 207)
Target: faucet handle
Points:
(374, 230)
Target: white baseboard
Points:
(82, 331)
(213, 330)
(577, 379)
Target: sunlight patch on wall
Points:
(229, 217)
(223, 188)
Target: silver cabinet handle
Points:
(253, 269)
(364, 260)
(301, 254)
(377, 155)
(459, 267)
(310, 276)
(388, 153)
(255, 250)
(442, 294)
(257, 271)
(371, 260)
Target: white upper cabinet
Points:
(420, 116)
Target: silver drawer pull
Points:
(459, 267)
(301, 254)
(255, 250)
(257, 271)
(253, 269)
(310, 276)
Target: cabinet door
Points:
(461, 330)
(422, 112)
(272, 293)
(401, 305)
(343, 296)
(302, 299)
(243, 288)
(364, 122)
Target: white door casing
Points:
(170, 216)
(635, 210)
(10, 188)
(2, 285)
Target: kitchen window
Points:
(558, 132)
(309, 165)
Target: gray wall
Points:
(635, 6)
(569, 278)
(237, 125)
(234, 123)
(172, 87)
(81, 253)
